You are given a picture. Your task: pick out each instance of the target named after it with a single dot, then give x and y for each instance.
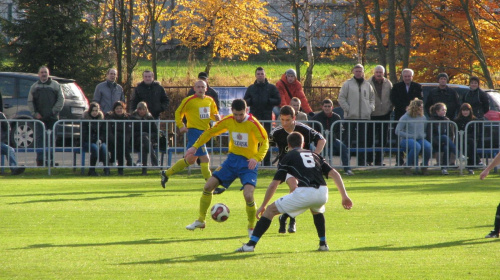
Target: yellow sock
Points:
(177, 167)
(205, 170)
(251, 211)
(205, 201)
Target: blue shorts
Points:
(233, 167)
(192, 135)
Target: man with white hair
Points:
(383, 109)
(357, 99)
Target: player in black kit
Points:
(278, 138)
(310, 193)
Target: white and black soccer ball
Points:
(220, 212)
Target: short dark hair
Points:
(295, 140)
(119, 103)
(474, 78)
(287, 110)
(238, 105)
(259, 69)
(203, 75)
(327, 101)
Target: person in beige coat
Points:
(357, 99)
(382, 112)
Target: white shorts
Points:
(302, 199)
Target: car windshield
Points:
(71, 91)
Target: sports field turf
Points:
(413, 227)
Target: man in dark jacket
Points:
(151, 92)
(443, 94)
(7, 150)
(45, 101)
(477, 98)
(327, 117)
(261, 97)
(404, 92)
(210, 91)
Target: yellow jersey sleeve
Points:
(198, 112)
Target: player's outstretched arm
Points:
(346, 201)
(269, 194)
(493, 163)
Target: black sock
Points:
(283, 217)
(319, 222)
(292, 221)
(259, 230)
(497, 219)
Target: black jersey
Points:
(279, 135)
(307, 167)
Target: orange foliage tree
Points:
(229, 28)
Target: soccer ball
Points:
(220, 212)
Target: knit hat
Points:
(291, 72)
(202, 75)
(440, 75)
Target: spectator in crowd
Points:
(404, 92)
(401, 95)
(357, 99)
(477, 98)
(383, 109)
(444, 94)
(45, 101)
(119, 133)
(199, 110)
(261, 97)
(151, 92)
(411, 132)
(327, 117)
(94, 138)
(472, 135)
(495, 162)
(145, 135)
(278, 137)
(108, 92)
(289, 87)
(7, 150)
(441, 135)
(299, 116)
(210, 91)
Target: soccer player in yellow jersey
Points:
(248, 144)
(198, 109)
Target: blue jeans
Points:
(413, 147)
(97, 152)
(340, 148)
(9, 152)
(447, 147)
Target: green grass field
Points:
(413, 227)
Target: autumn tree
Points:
(461, 38)
(228, 28)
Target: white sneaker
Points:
(323, 248)
(471, 172)
(245, 248)
(444, 171)
(349, 173)
(195, 225)
(250, 232)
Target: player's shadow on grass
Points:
(466, 242)
(151, 241)
(78, 199)
(197, 258)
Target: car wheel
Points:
(23, 134)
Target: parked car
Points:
(15, 87)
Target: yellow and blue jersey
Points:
(248, 138)
(198, 112)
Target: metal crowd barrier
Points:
(365, 143)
